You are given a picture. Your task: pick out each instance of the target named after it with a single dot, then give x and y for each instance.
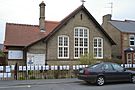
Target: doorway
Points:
(129, 58)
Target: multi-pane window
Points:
(81, 41)
(98, 47)
(132, 40)
(63, 46)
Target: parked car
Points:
(104, 72)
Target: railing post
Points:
(15, 71)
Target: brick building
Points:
(123, 33)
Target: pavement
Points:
(36, 82)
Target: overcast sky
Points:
(27, 11)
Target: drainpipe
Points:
(46, 53)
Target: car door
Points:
(109, 72)
(120, 74)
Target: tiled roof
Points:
(124, 26)
(23, 35)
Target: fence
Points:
(38, 72)
(41, 72)
(128, 65)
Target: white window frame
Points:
(131, 40)
(81, 37)
(63, 57)
(97, 47)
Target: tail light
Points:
(86, 71)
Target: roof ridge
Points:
(124, 20)
(80, 7)
(118, 20)
(31, 24)
(22, 24)
(52, 21)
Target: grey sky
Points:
(27, 11)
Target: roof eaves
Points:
(6, 45)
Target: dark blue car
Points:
(104, 72)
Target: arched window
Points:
(81, 41)
(63, 46)
(98, 47)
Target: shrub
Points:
(1, 54)
(30, 72)
(87, 59)
(32, 77)
(21, 78)
(56, 74)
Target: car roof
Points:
(107, 63)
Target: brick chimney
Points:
(107, 18)
(42, 17)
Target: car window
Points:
(107, 67)
(117, 67)
(93, 66)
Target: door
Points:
(120, 73)
(129, 58)
(108, 72)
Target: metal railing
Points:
(42, 71)
(38, 72)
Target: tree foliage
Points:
(1, 54)
(87, 59)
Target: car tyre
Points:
(100, 81)
(133, 79)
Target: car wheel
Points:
(133, 79)
(100, 81)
